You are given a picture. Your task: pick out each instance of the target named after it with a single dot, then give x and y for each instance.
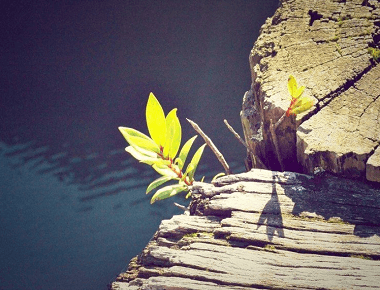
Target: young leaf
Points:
(302, 104)
(155, 119)
(142, 143)
(173, 134)
(194, 162)
(217, 176)
(132, 132)
(293, 89)
(164, 171)
(180, 161)
(189, 168)
(157, 182)
(138, 140)
(158, 161)
(168, 191)
(140, 156)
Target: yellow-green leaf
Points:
(155, 120)
(218, 175)
(139, 140)
(132, 132)
(164, 170)
(140, 156)
(158, 182)
(293, 89)
(173, 134)
(158, 161)
(180, 161)
(168, 191)
(189, 168)
(149, 145)
(303, 104)
(194, 162)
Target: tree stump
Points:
(330, 47)
(266, 230)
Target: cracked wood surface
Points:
(266, 229)
(324, 44)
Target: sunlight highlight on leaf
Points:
(155, 119)
(139, 140)
(140, 156)
(173, 134)
(293, 89)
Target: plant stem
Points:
(180, 174)
(172, 168)
(212, 146)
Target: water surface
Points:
(73, 209)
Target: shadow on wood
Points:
(348, 200)
(266, 229)
(271, 213)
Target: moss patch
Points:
(375, 53)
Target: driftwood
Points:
(266, 230)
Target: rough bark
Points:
(324, 44)
(266, 230)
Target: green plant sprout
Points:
(161, 148)
(298, 104)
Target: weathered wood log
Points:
(283, 230)
(266, 229)
(329, 47)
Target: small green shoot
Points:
(161, 148)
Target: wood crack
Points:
(272, 239)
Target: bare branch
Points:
(185, 209)
(279, 121)
(244, 144)
(236, 135)
(212, 146)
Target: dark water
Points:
(72, 206)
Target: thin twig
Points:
(181, 207)
(212, 146)
(237, 135)
(243, 142)
(279, 121)
(274, 138)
